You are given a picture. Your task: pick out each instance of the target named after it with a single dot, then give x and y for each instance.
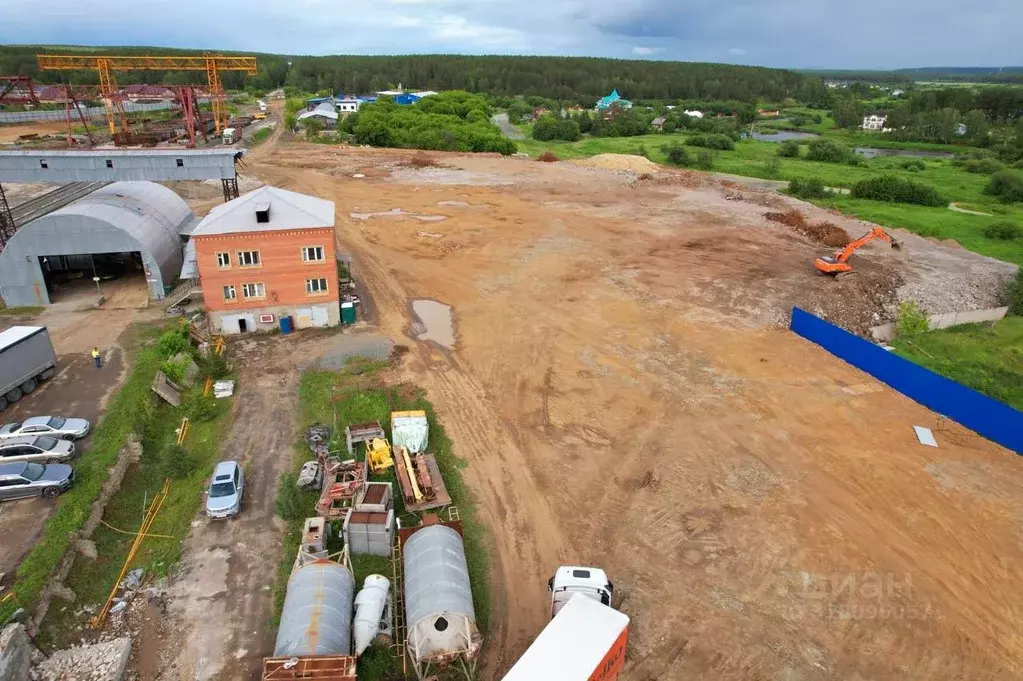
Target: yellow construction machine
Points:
(378, 453)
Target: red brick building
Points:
(267, 254)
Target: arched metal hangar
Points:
(140, 218)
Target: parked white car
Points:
(54, 426)
(36, 448)
(224, 496)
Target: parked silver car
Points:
(54, 426)
(19, 480)
(38, 448)
(224, 497)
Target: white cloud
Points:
(646, 51)
(736, 51)
(452, 27)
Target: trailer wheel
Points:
(3, 403)
(48, 374)
(28, 386)
(13, 395)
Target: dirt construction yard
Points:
(626, 395)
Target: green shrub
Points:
(177, 463)
(203, 408)
(1016, 295)
(789, 149)
(912, 320)
(174, 341)
(894, 189)
(288, 505)
(773, 166)
(720, 142)
(1006, 185)
(214, 365)
(1003, 231)
(705, 160)
(827, 151)
(983, 166)
(174, 371)
(914, 165)
(676, 153)
(812, 188)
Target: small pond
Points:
(784, 135)
(435, 318)
(871, 152)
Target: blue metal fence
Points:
(992, 419)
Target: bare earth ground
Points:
(624, 395)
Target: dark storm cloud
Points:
(796, 33)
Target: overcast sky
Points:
(783, 33)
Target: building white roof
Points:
(390, 93)
(426, 93)
(572, 645)
(16, 334)
(288, 210)
(324, 109)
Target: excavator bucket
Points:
(896, 244)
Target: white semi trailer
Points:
(26, 358)
(585, 639)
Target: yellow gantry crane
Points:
(212, 64)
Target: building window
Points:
(110, 164)
(223, 260)
(248, 258)
(229, 293)
(312, 253)
(181, 162)
(42, 164)
(315, 286)
(255, 290)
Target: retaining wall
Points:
(886, 332)
(992, 419)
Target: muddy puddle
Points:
(434, 323)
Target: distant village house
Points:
(613, 99)
(658, 123)
(874, 122)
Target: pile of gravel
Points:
(104, 661)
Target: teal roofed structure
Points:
(613, 99)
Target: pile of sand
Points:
(636, 164)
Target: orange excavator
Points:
(838, 265)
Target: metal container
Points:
(317, 615)
(438, 598)
(347, 313)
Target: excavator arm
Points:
(838, 264)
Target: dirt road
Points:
(625, 394)
(220, 601)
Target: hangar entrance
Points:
(72, 279)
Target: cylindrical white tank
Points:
(370, 604)
(317, 615)
(438, 599)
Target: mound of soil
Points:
(636, 164)
(547, 157)
(826, 233)
(421, 160)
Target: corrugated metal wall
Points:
(114, 165)
(121, 217)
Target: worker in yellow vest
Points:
(96, 357)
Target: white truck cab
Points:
(570, 581)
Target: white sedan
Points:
(54, 426)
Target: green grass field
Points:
(985, 357)
(360, 395)
(753, 158)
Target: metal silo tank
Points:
(317, 614)
(439, 613)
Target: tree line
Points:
(580, 80)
